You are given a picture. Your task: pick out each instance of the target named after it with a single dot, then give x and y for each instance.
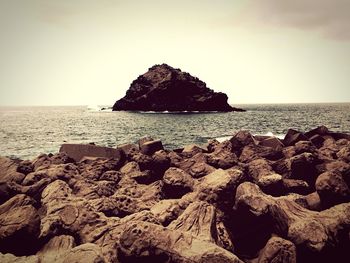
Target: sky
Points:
(83, 52)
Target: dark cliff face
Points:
(163, 88)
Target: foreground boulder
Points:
(164, 88)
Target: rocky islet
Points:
(164, 88)
(247, 199)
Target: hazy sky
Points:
(81, 52)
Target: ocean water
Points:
(26, 132)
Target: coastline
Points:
(240, 200)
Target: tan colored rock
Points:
(272, 142)
(261, 173)
(78, 151)
(151, 147)
(310, 231)
(19, 226)
(8, 171)
(150, 242)
(177, 183)
(332, 189)
(200, 220)
(278, 250)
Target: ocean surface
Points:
(26, 132)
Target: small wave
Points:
(98, 108)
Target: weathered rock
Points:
(222, 156)
(25, 167)
(296, 186)
(301, 167)
(263, 175)
(251, 152)
(164, 88)
(19, 226)
(241, 139)
(78, 151)
(332, 189)
(8, 171)
(196, 166)
(304, 146)
(293, 137)
(193, 149)
(344, 154)
(146, 242)
(278, 250)
(200, 220)
(321, 130)
(218, 187)
(151, 147)
(272, 142)
(310, 231)
(177, 183)
(129, 149)
(43, 161)
(161, 161)
(317, 140)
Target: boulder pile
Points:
(247, 199)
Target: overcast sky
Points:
(82, 52)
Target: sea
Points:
(26, 132)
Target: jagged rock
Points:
(177, 183)
(146, 242)
(321, 131)
(272, 142)
(222, 156)
(278, 250)
(241, 139)
(164, 88)
(251, 152)
(19, 226)
(293, 137)
(151, 147)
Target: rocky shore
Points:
(247, 199)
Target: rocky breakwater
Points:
(163, 88)
(248, 199)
